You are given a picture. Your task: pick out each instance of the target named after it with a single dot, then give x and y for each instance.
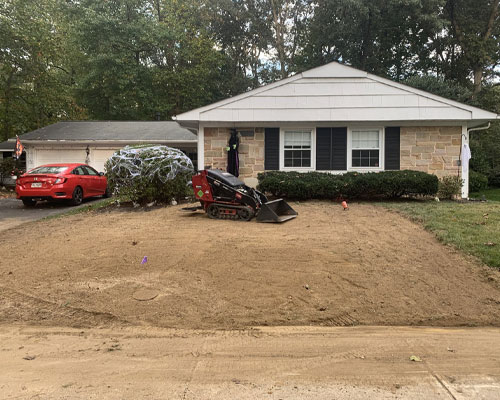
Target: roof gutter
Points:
(106, 142)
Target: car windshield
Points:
(48, 170)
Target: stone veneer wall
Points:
(435, 150)
(251, 151)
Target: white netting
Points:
(147, 162)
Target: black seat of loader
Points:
(224, 177)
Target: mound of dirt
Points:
(327, 267)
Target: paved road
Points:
(262, 363)
(13, 212)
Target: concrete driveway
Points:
(14, 213)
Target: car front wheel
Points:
(77, 197)
(28, 202)
(107, 193)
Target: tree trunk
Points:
(280, 45)
(478, 78)
(366, 43)
(6, 125)
(157, 7)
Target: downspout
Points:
(481, 128)
(465, 139)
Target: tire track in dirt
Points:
(337, 320)
(21, 307)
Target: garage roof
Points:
(111, 131)
(7, 146)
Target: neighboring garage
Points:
(93, 142)
(7, 149)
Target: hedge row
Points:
(352, 185)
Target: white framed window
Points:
(297, 152)
(365, 148)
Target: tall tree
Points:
(242, 31)
(142, 59)
(115, 39)
(475, 27)
(35, 81)
(189, 71)
(386, 37)
(290, 20)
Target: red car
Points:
(74, 182)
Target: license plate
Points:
(36, 185)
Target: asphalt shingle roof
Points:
(111, 131)
(7, 146)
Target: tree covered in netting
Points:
(146, 173)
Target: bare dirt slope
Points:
(327, 267)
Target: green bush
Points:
(494, 177)
(9, 167)
(148, 173)
(449, 187)
(477, 181)
(352, 185)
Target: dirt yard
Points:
(328, 267)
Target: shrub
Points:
(494, 177)
(449, 187)
(477, 181)
(149, 172)
(352, 185)
(9, 167)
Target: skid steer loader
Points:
(224, 196)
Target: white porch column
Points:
(201, 147)
(465, 171)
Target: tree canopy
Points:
(152, 59)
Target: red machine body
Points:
(202, 189)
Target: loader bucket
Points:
(276, 211)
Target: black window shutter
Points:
(331, 149)
(339, 149)
(272, 149)
(323, 149)
(392, 152)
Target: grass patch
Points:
(95, 205)
(474, 227)
(490, 194)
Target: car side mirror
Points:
(101, 173)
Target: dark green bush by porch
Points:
(352, 185)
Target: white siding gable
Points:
(335, 92)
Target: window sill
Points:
(292, 169)
(365, 169)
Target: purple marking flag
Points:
(144, 260)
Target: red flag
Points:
(19, 148)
